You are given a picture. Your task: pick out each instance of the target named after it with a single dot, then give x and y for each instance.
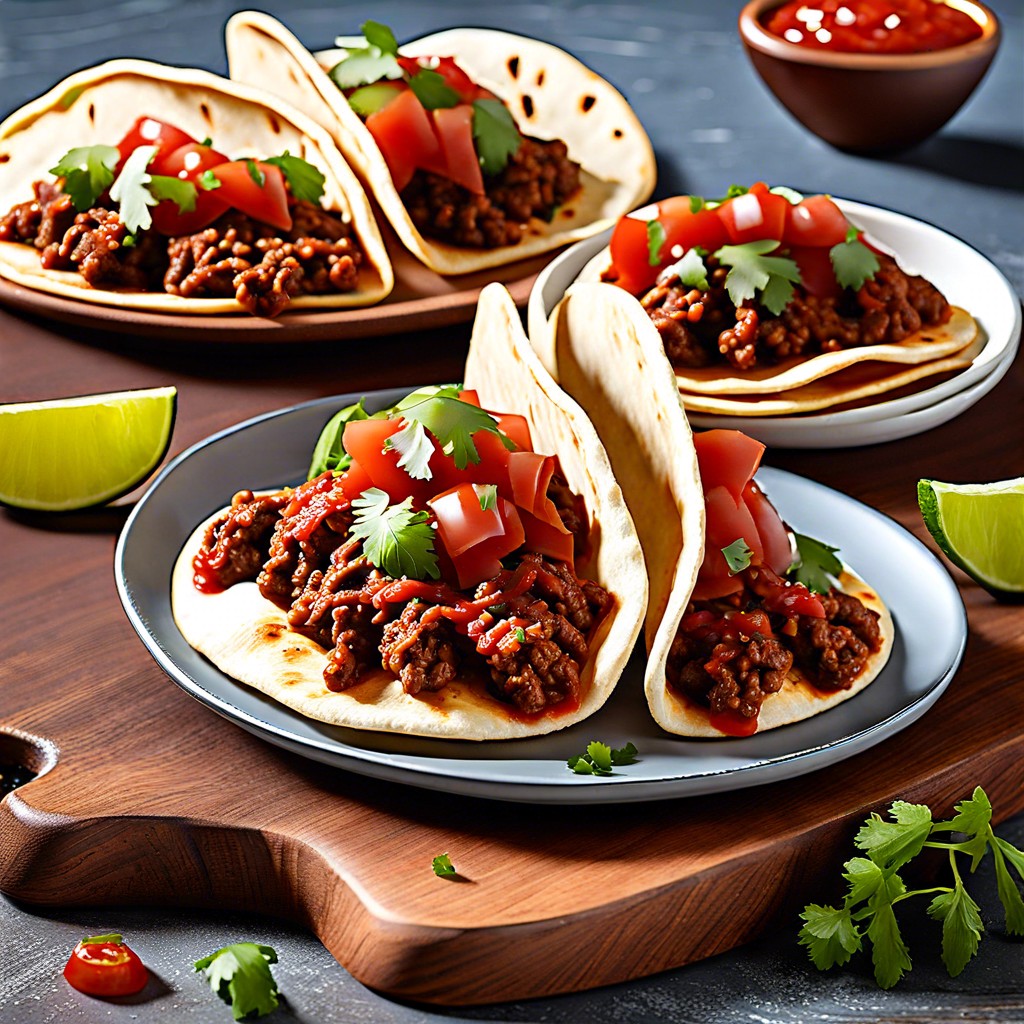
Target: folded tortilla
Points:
(604, 350)
(247, 637)
(550, 94)
(99, 105)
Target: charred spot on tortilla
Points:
(587, 102)
(540, 78)
(270, 631)
(513, 66)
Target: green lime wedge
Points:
(980, 527)
(76, 452)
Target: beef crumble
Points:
(733, 671)
(538, 178)
(238, 257)
(700, 327)
(528, 645)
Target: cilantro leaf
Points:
(696, 204)
(815, 563)
(599, 759)
(329, 452)
(432, 90)
(520, 634)
(240, 975)
(88, 172)
(114, 938)
(208, 181)
(1009, 894)
(973, 817)
(415, 449)
(258, 177)
(305, 181)
(889, 953)
(624, 755)
(865, 878)
(488, 496)
(752, 271)
(443, 867)
(380, 36)
(829, 934)
(961, 927)
(655, 241)
(892, 843)
(690, 269)
(580, 765)
(130, 191)
(162, 186)
(600, 755)
(451, 421)
(737, 556)
(496, 136)
(396, 539)
(853, 262)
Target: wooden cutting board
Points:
(146, 797)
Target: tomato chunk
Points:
(454, 129)
(104, 965)
(775, 538)
(255, 188)
(753, 217)
(148, 131)
(727, 458)
(365, 441)
(188, 163)
(815, 220)
(405, 135)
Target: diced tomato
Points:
(793, 599)
(454, 77)
(728, 520)
(727, 458)
(755, 216)
(816, 272)
(491, 469)
(630, 250)
(516, 429)
(775, 538)
(188, 162)
(530, 476)
(454, 129)
(541, 536)
(266, 201)
(355, 480)
(405, 135)
(816, 220)
(475, 539)
(364, 440)
(148, 131)
(470, 397)
(106, 966)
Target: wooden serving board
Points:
(146, 797)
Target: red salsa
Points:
(872, 26)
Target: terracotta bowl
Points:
(870, 102)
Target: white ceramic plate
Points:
(966, 278)
(931, 633)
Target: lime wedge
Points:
(980, 527)
(75, 452)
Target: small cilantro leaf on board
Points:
(495, 135)
(432, 90)
(599, 759)
(329, 452)
(487, 495)
(875, 887)
(88, 171)
(305, 181)
(655, 241)
(853, 262)
(451, 421)
(240, 975)
(183, 193)
(690, 270)
(751, 271)
(737, 556)
(396, 539)
(443, 867)
(131, 193)
(815, 564)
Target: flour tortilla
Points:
(247, 637)
(930, 343)
(604, 350)
(550, 94)
(99, 105)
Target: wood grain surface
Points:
(151, 799)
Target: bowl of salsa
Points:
(870, 75)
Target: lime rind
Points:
(74, 453)
(980, 528)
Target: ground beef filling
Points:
(235, 257)
(529, 647)
(731, 673)
(704, 327)
(538, 179)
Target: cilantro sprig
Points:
(305, 181)
(752, 270)
(396, 539)
(240, 975)
(816, 564)
(853, 262)
(599, 759)
(833, 934)
(88, 172)
(495, 135)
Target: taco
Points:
(767, 291)
(749, 625)
(173, 190)
(444, 571)
(481, 147)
